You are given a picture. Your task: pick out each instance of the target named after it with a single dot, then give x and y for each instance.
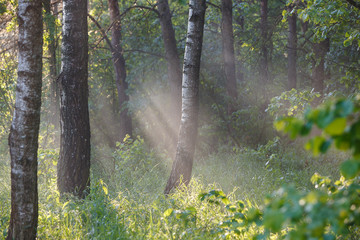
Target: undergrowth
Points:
(126, 198)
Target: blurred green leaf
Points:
(343, 108)
(336, 127)
(273, 220)
(349, 169)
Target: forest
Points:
(180, 119)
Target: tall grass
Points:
(126, 198)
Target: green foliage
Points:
(291, 103)
(3, 8)
(332, 209)
(4, 195)
(339, 21)
(335, 119)
(127, 202)
(7, 91)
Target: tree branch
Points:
(102, 32)
(133, 7)
(214, 5)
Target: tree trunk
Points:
(292, 45)
(51, 29)
(264, 61)
(120, 70)
(24, 132)
(74, 163)
(228, 53)
(173, 65)
(182, 166)
(318, 75)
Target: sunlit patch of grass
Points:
(5, 205)
(255, 173)
(126, 198)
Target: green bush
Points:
(330, 211)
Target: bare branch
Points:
(102, 32)
(213, 5)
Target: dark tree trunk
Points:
(228, 53)
(24, 132)
(74, 163)
(264, 58)
(318, 75)
(51, 29)
(120, 70)
(182, 166)
(173, 65)
(292, 45)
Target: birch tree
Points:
(182, 166)
(23, 139)
(74, 162)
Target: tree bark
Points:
(182, 166)
(173, 65)
(120, 70)
(318, 75)
(74, 162)
(264, 58)
(292, 45)
(24, 132)
(228, 53)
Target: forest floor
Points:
(127, 202)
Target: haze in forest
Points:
(179, 119)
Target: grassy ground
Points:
(126, 200)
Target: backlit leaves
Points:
(339, 123)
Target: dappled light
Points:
(186, 119)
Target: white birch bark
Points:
(23, 139)
(182, 166)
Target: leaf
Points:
(191, 209)
(280, 125)
(343, 142)
(336, 127)
(295, 127)
(324, 118)
(343, 108)
(305, 129)
(168, 212)
(105, 189)
(2, 8)
(316, 178)
(325, 146)
(202, 196)
(273, 220)
(181, 2)
(225, 200)
(349, 169)
(315, 145)
(355, 129)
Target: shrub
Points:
(329, 211)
